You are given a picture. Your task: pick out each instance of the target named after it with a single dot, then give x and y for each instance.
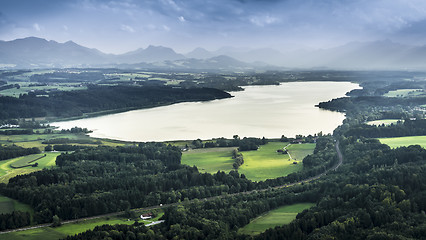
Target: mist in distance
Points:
(312, 33)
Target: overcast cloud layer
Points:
(120, 26)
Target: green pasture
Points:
(404, 141)
(405, 93)
(8, 205)
(35, 140)
(26, 160)
(266, 163)
(7, 172)
(49, 233)
(277, 217)
(386, 122)
(14, 92)
(300, 151)
(209, 160)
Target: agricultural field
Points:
(35, 140)
(26, 161)
(209, 160)
(280, 216)
(404, 141)
(405, 93)
(8, 205)
(386, 122)
(26, 88)
(49, 233)
(266, 163)
(300, 151)
(7, 171)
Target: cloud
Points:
(263, 20)
(36, 27)
(127, 28)
(172, 4)
(166, 28)
(181, 19)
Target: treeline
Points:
(67, 140)
(66, 76)
(16, 219)
(238, 159)
(364, 103)
(406, 128)
(13, 151)
(100, 98)
(17, 132)
(244, 144)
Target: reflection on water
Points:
(259, 111)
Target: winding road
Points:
(334, 168)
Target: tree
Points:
(56, 222)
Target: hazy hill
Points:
(38, 52)
(150, 54)
(35, 52)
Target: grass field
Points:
(7, 172)
(300, 151)
(27, 160)
(35, 140)
(266, 163)
(277, 217)
(404, 141)
(383, 121)
(8, 205)
(405, 93)
(49, 233)
(209, 160)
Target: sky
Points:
(124, 25)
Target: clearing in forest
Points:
(209, 160)
(277, 217)
(404, 141)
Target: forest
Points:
(100, 98)
(376, 193)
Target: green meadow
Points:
(27, 160)
(35, 140)
(266, 162)
(277, 217)
(7, 172)
(49, 233)
(259, 165)
(300, 151)
(404, 141)
(209, 160)
(383, 121)
(405, 93)
(8, 205)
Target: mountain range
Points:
(35, 52)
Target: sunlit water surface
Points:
(258, 111)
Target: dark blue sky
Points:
(124, 25)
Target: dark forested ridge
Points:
(100, 98)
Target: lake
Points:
(258, 111)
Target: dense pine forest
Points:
(100, 98)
